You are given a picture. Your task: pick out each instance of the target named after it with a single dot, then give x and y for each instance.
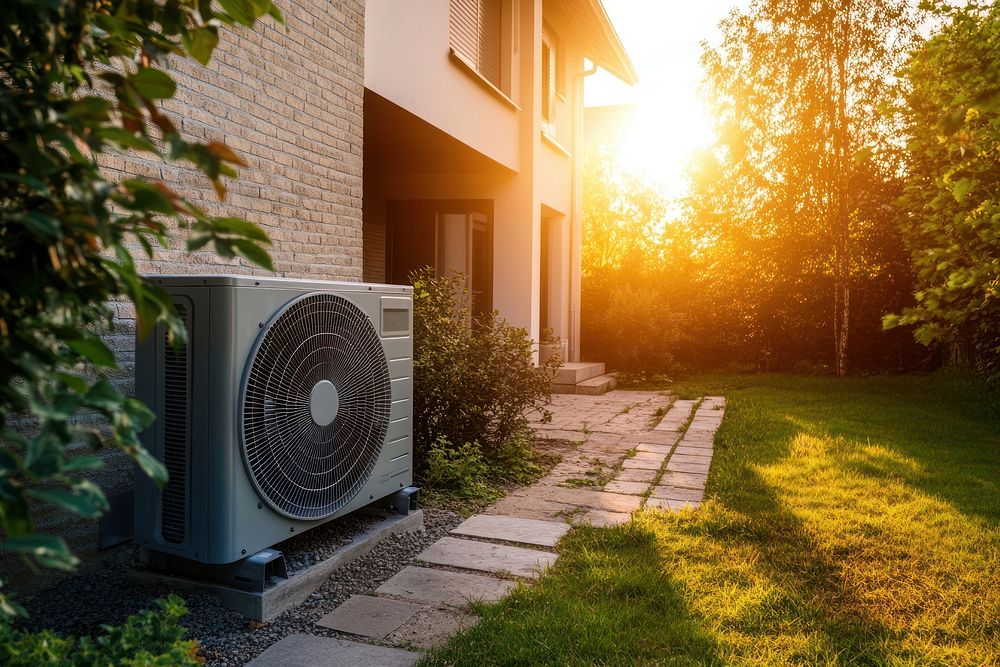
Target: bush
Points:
(147, 638)
(458, 470)
(636, 332)
(474, 380)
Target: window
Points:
(552, 79)
(478, 36)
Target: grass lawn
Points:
(848, 521)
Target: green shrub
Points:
(460, 471)
(474, 378)
(147, 638)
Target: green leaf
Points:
(93, 349)
(126, 139)
(139, 413)
(90, 108)
(44, 455)
(154, 84)
(85, 499)
(40, 224)
(82, 463)
(242, 11)
(155, 470)
(47, 549)
(960, 189)
(103, 396)
(242, 227)
(200, 43)
(251, 252)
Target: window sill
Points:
(558, 147)
(470, 69)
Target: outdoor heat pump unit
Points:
(290, 405)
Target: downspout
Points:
(575, 208)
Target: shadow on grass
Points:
(609, 600)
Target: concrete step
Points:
(597, 386)
(575, 372)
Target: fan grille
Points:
(308, 446)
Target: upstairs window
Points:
(478, 35)
(552, 79)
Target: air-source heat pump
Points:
(289, 406)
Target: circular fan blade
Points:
(315, 406)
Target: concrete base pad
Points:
(311, 651)
(294, 590)
(422, 584)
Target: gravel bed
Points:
(80, 604)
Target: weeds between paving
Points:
(848, 521)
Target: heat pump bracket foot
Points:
(405, 500)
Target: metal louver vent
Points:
(176, 413)
(315, 407)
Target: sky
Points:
(663, 39)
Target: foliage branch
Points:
(951, 199)
(78, 80)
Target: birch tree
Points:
(797, 87)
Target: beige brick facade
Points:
(289, 100)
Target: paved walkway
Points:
(621, 451)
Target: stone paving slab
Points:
(671, 505)
(636, 475)
(697, 468)
(650, 456)
(432, 627)
(513, 529)
(530, 508)
(643, 464)
(602, 519)
(654, 449)
(702, 459)
(423, 584)
(369, 616)
(678, 493)
(487, 557)
(652, 438)
(628, 488)
(685, 450)
(687, 480)
(312, 651)
(610, 502)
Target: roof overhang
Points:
(590, 21)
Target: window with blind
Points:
(551, 78)
(477, 36)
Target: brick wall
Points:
(289, 100)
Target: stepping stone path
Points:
(619, 455)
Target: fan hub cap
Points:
(324, 403)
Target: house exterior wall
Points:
(290, 102)
(407, 63)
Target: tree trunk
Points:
(842, 259)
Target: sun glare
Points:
(663, 135)
(664, 40)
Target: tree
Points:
(77, 80)
(797, 86)
(951, 200)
